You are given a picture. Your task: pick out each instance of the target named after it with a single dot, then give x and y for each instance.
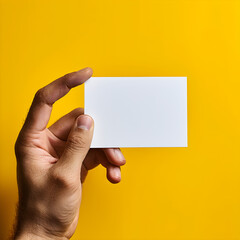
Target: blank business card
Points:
(137, 111)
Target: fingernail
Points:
(84, 122)
(85, 69)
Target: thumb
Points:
(78, 144)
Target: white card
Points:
(137, 111)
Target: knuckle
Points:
(40, 95)
(17, 149)
(69, 76)
(77, 111)
(19, 146)
(16, 146)
(75, 143)
(59, 179)
(62, 180)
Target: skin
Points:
(53, 162)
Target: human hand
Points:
(53, 162)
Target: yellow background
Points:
(165, 193)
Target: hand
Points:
(53, 162)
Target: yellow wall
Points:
(166, 193)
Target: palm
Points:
(50, 143)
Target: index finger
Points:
(45, 97)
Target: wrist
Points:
(31, 236)
(31, 225)
(26, 230)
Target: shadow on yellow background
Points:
(166, 193)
